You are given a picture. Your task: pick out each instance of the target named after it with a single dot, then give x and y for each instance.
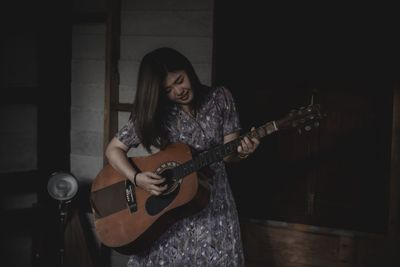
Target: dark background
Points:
(274, 58)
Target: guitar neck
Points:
(219, 152)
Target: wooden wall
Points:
(281, 244)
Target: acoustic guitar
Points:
(128, 219)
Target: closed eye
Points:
(179, 79)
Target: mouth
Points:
(184, 97)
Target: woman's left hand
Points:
(247, 146)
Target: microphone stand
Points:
(63, 207)
(62, 186)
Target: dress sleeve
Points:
(127, 134)
(230, 115)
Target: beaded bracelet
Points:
(134, 179)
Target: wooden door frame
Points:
(111, 98)
(394, 183)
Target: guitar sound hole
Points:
(170, 181)
(168, 175)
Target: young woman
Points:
(171, 105)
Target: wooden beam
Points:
(112, 74)
(394, 183)
(125, 107)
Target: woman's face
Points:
(178, 88)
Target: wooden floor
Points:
(293, 245)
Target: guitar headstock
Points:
(302, 118)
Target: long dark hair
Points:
(151, 102)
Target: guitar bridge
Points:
(130, 196)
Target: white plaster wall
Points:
(147, 25)
(87, 103)
(185, 25)
(87, 100)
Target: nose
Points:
(178, 90)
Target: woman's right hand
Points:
(151, 182)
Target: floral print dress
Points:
(212, 236)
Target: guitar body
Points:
(129, 219)
(131, 228)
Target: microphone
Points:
(62, 186)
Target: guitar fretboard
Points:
(219, 152)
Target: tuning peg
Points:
(299, 130)
(307, 128)
(316, 124)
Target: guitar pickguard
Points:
(155, 204)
